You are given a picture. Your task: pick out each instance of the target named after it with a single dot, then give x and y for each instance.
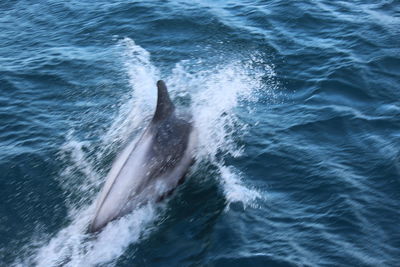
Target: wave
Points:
(212, 96)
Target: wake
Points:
(214, 95)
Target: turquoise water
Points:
(298, 112)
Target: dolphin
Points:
(149, 169)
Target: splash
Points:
(235, 190)
(212, 95)
(217, 94)
(73, 247)
(139, 103)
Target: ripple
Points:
(298, 104)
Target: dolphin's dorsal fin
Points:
(164, 105)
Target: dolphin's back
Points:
(170, 141)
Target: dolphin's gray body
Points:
(149, 169)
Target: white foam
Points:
(235, 189)
(73, 247)
(140, 102)
(215, 94)
(74, 184)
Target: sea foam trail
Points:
(214, 94)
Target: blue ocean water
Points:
(298, 112)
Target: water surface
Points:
(298, 112)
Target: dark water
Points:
(297, 107)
